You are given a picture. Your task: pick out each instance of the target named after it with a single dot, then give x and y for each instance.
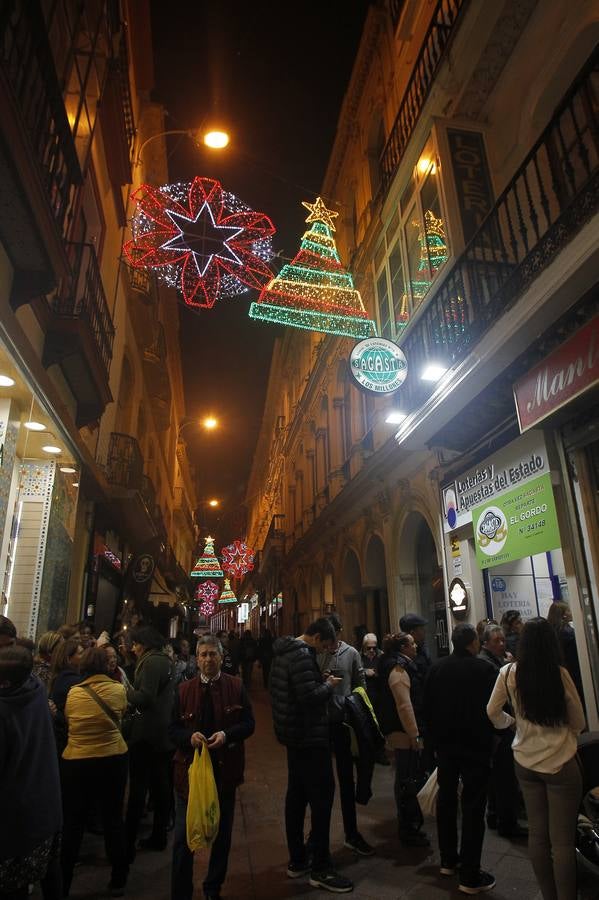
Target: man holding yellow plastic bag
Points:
(213, 716)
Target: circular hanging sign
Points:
(459, 599)
(378, 365)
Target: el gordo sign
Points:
(567, 372)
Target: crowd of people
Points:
(495, 723)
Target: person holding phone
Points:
(300, 698)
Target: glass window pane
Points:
(436, 241)
(399, 296)
(382, 291)
(417, 258)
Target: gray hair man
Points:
(212, 714)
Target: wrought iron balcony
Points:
(80, 334)
(38, 157)
(434, 46)
(125, 464)
(550, 197)
(116, 114)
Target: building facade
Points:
(465, 173)
(94, 474)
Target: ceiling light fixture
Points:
(75, 484)
(68, 470)
(50, 448)
(5, 381)
(34, 426)
(433, 372)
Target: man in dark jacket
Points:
(211, 712)
(504, 796)
(150, 751)
(300, 699)
(456, 694)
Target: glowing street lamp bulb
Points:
(213, 503)
(217, 140)
(210, 423)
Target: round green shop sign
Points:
(378, 365)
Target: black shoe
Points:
(514, 832)
(448, 868)
(331, 881)
(296, 870)
(152, 844)
(359, 845)
(481, 882)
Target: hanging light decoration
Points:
(227, 595)
(238, 559)
(207, 565)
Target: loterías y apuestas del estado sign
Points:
(378, 365)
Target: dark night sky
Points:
(278, 87)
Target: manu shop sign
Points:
(378, 365)
(511, 467)
(519, 523)
(563, 375)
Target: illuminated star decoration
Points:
(237, 559)
(319, 213)
(208, 590)
(314, 291)
(200, 239)
(207, 608)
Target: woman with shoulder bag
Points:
(548, 717)
(398, 723)
(94, 764)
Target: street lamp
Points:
(214, 138)
(209, 423)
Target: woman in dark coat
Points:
(29, 784)
(150, 751)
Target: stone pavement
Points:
(259, 854)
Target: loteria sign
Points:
(563, 375)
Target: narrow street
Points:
(259, 854)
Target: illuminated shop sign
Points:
(511, 467)
(378, 365)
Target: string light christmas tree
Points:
(227, 596)
(314, 291)
(207, 565)
(433, 251)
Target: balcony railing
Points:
(550, 197)
(123, 64)
(124, 465)
(434, 45)
(84, 298)
(27, 64)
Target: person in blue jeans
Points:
(212, 713)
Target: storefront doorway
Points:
(422, 581)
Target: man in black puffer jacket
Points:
(300, 713)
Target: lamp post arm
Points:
(152, 137)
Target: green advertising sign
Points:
(516, 524)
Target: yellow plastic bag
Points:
(203, 809)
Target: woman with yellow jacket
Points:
(95, 764)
